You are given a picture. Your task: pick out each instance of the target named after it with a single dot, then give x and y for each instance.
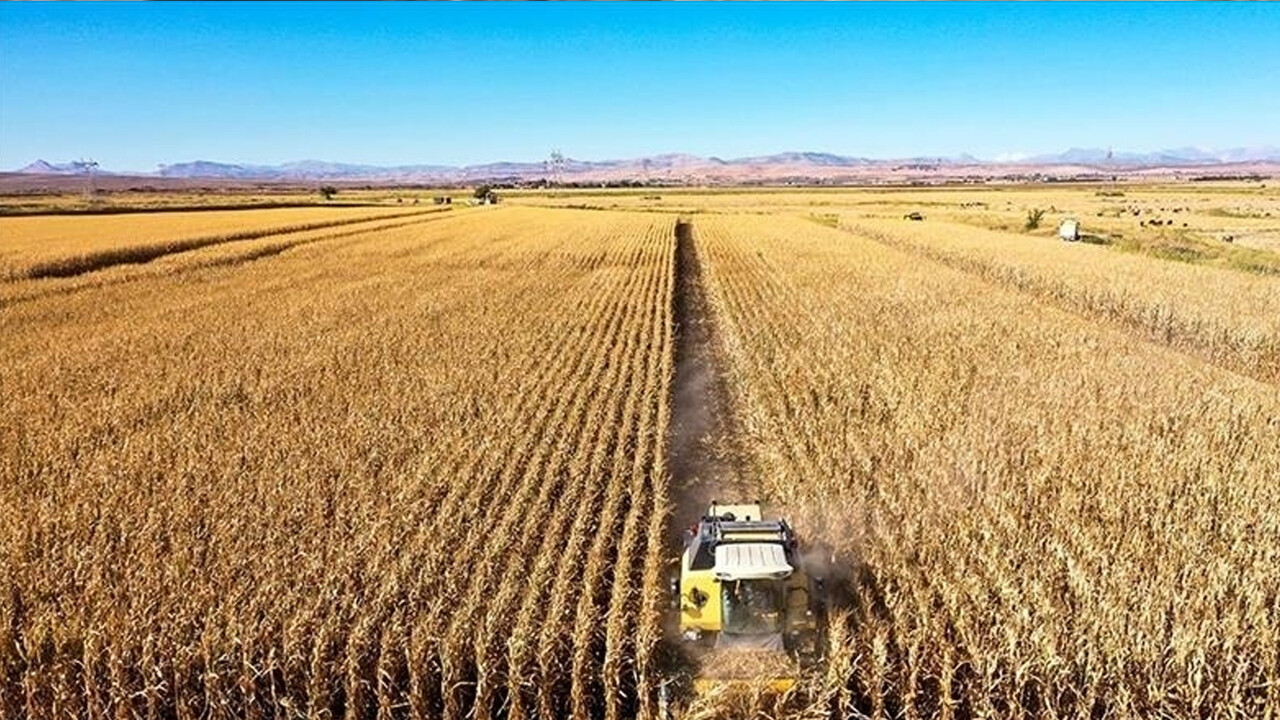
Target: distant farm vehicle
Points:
(915, 215)
(1069, 230)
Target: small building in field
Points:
(1069, 230)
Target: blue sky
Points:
(133, 85)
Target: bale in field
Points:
(1069, 230)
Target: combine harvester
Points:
(752, 606)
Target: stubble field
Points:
(397, 463)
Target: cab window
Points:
(751, 607)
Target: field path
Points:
(704, 455)
(708, 459)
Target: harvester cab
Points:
(744, 585)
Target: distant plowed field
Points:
(393, 464)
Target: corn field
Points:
(61, 246)
(391, 464)
(1045, 517)
(1236, 326)
(410, 473)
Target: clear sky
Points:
(133, 85)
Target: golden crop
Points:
(413, 472)
(1044, 516)
(1232, 319)
(379, 463)
(66, 245)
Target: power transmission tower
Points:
(89, 168)
(557, 167)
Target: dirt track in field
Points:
(704, 456)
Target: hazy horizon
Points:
(1272, 155)
(138, 85)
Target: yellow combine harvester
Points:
(745, 592)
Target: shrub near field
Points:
(1050, 518)
(414, 475)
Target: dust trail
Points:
(704, 454)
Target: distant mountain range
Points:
(1186, 156)
(781, 166)
(40, 167)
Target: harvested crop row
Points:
(207, 256)
(1044, 517)
(1229, 318)
(86, 261)
(322, 484)
(45, 237)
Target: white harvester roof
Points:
(750, 561)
